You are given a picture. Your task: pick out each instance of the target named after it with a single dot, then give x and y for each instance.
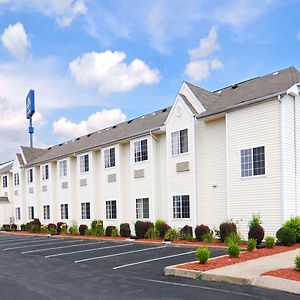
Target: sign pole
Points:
(30, 110)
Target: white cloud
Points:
(110, 73)
(15, 39)
(207, 45)
(201, 64)
(216, 64)
(68, 129)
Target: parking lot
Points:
(54, 268)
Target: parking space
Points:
(95, 269)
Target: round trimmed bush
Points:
(297, 263)
(141, 228)
(294, 224)
(203, 254)
(13, 227)
(256, 233)
(201, 231)
(6, 227)
(225, 229)
(82, 229)
(163, 230)
(109, 230)
(286, 236)
(234, 250)
(125, 230)
(52, 228)
(270, 242)
(186, 231)
(61, 226)
(23, 227)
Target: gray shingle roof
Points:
(20, 159)
(122, 131)
(6, 168)
(245, 91)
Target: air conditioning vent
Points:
(140, 173)
(183, 166)
(111, 177)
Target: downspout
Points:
(295, 154)
(154, 175)
(282, 154)
(195, 171)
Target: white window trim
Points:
(253, 176)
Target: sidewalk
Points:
(248, 272)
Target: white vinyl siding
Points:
(110, 157)
(84, 163)
(180, 142)
(142, 208)
(63, 168)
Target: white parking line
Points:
(87, 250)
(53, 248)
(37, 245)
(117, 254)
(153, 259)
(10, 243)
(18, 239)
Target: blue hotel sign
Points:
(30, 107)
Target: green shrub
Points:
(82, 229)
(286, 236)
(189, 238)
(297, 262)
(294, 224)
(34, 226)
(203, 254)
(151, 234)
(208, 237)
(251, 245)
(270, 242)
(256, 233)
(99, 231)
(255, 221)
(89, 232)
(186, 230)
(109, 230)
(114, 233)
(73, 228)
(125, 230)
(5, 227)
(172, 235)
(23, 227)
(141, 228)
(52, 228)
(61, 227)
(13, 227)
(161, 227)
(225, 229)
(233, 237)
(200, 231)
(44, 229)
(96, 224)
(233, 250)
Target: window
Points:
(181, 207)
(18, 213)
(16, 179)
(63, 171)
(140, 151)
(4, 181)
(84, 163)
(30, 175)
(85, 210)
(45, 172)
(46, 212)
(180, 142)
(111, 209)
(110, 157)
(253, 161)
(30, 212)
(142, 208)
(64, 211)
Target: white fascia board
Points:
(293, 90)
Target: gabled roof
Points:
(20, 159)
(135, 127)
(245, 91)
(6, 168)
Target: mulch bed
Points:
(289, 273)
(226, 260)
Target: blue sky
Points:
(94, 63)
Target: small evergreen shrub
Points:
(186, 230)
(114, 233)
(13, 227)
(141, 228)
(109, 229)
(233, 237)
(23, 227)
(255, 221)
(251, 244)
(44, 229)
(286, 236)
(125, 230)
(52, 228)
(61, 226)
(82, 229)
(6, 227)
(172, 235)
(256, 233)
(270, 242)
(297, 263)
(200, 231)
(73, 228)
(294, 224)
(203, 254)
(151, 234)
(96, 224)
(99, 231)
(161, 227)
(234, 250)
(189, 238)
(208, 237)
(225, 229)
(89, 232)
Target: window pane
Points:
(259, 161)
(184, 141)
(146, 208)
(175, 142)
(144, 150)
(246, 162)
